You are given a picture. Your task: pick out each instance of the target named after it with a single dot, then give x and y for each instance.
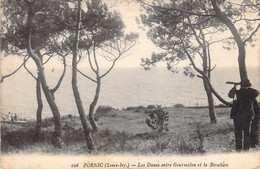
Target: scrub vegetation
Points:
(128, 133)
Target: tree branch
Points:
(192, 61)
(126, 49)
(209, 68)
(8, 75)
(252, 34)
(109, 52)
(29, 71)
(244, 19)
(210, 43)
(213, 67)
(120, 51)
(47, 60)
(217, 95)
(86, 76)
(112, 66)
(174, 9)
(199, 54)
(62, 76)
(95, 57)
(90, 62)
(194, 32)
(200, 76)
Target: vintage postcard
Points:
(130, 84)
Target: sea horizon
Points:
(121, 88)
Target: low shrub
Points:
(129, 108)
(158, 120)
(140, 108)
(179, 105)
(103, 109)
(135, 109)
(151, 107)
(221, 106)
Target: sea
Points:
(121, 88)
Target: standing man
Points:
(255, 125)
(15, 117)
(10, 116)
(244, 114)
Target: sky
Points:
(144, 47)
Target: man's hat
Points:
(245, 83)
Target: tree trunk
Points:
(93, 105)
(206, 70)
(39, 109)
(206, 64)
(80, 108)
(56, 137)
(40, 105)
(212, 114)
(76, 93)
(240, 44)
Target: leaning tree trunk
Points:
(76, 93)
(93, 105)
(56, 137)
(39, 108)
(240, 44)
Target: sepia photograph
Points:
(130, 84)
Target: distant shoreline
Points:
(136, 109)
